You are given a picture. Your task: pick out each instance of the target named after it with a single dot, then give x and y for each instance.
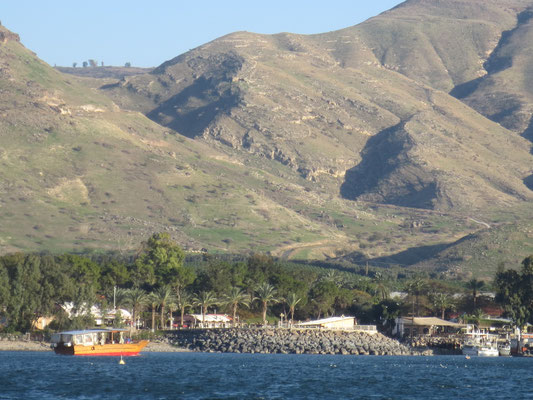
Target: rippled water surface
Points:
(37, 375)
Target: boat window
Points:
(56, 337)
(88, 339)
(66, 338)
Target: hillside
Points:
(351, 109)
(80, 174)
(370, 143)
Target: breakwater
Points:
(286, 341)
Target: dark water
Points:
(37, 375)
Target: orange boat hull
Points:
(117, 349)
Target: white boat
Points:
(487, 351)
(504, 349)
(480, 350)
(480, 344)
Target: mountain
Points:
(364, 110)
(386, 142)
(81, 174)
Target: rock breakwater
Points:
(286, 341)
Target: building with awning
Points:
(341, 322)
(207, 321)
(417, 326)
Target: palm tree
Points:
(172, 306)
(153, 302)
(137, 299)
(164, 296)
(292, 301)
(121, 297)
(415, 288)
(205, 300)
(235, 298)
(382, 289)
(266, 293)
(441, 302)
(333, 276)
(475, 286)
(184, 300)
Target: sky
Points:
(146, 34)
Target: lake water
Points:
(38, 375)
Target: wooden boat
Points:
(95, 342)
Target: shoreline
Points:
(20, 345)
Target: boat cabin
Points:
(89, 337)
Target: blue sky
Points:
(148, 33)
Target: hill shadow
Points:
(377, 162)
(528, 133)
(497, 61)
(386, 172)
(194, 108)
(529, 182)
(407, 257)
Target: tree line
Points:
(159, 282)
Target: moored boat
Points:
(487, 351)
(96, 342)
(504, 349)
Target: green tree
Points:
(234, 298)
(441, 302)
(164, 296)
(381, 286)
(153, 302)
(204, 300)
(160, 262)
(266, 294)
(475, 286)
(292, 301)
(85, 275)
(184, 300)
(323, 295)
(386, 312)
(113, 273)
(415, 289)
(137, 300)
(514, 291)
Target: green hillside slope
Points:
(344, 144)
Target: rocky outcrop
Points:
(285, 341)
(5, 36)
